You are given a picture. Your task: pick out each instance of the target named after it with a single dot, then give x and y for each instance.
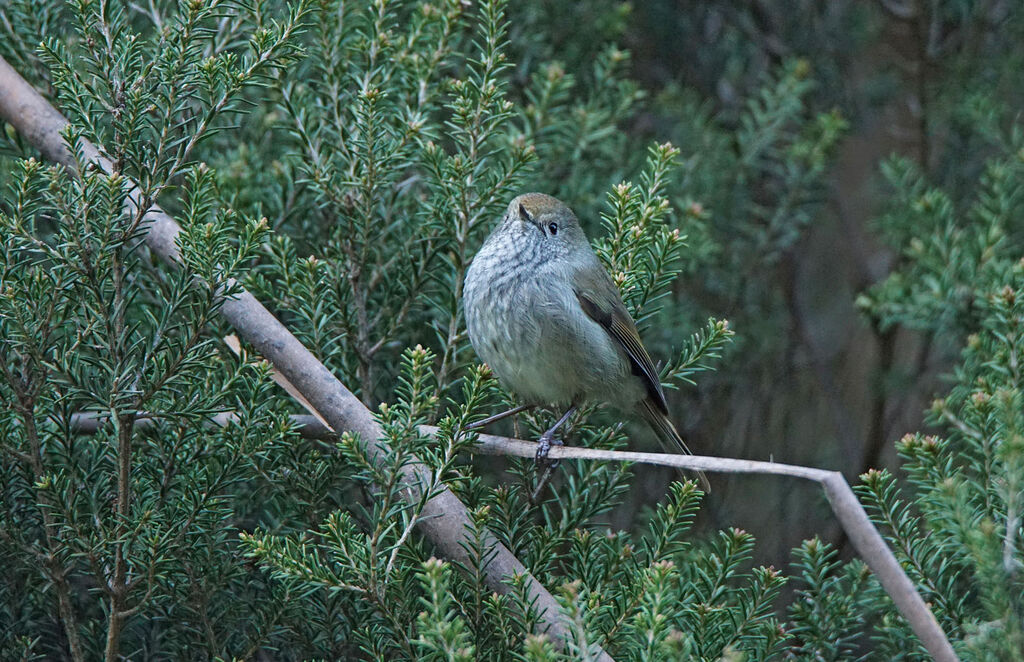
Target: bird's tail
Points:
(669, 436)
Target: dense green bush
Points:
(344, 160)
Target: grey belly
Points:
(547, 351)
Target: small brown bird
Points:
(543, 313)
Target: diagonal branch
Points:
(445, 520)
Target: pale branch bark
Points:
(848, 510)
(444, 520)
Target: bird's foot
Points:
(544, 445)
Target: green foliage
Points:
(344, 160)
(644, 256)
(407, 144)
(828, 613)
(952, 251)
(969, 487)
(953, 219)
(443, 634)
(749, 189)
(391, 159)
(652, 599)
(955, 521)
(130, 518)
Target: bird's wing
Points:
(601, 301)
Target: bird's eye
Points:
(553, 228)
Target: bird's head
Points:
(545, 224)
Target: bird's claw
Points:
(544, 445)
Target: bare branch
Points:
(851, 515)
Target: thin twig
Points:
(851, 515)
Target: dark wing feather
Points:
(601, 301)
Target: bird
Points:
(545, 316)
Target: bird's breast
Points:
(525, 322)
